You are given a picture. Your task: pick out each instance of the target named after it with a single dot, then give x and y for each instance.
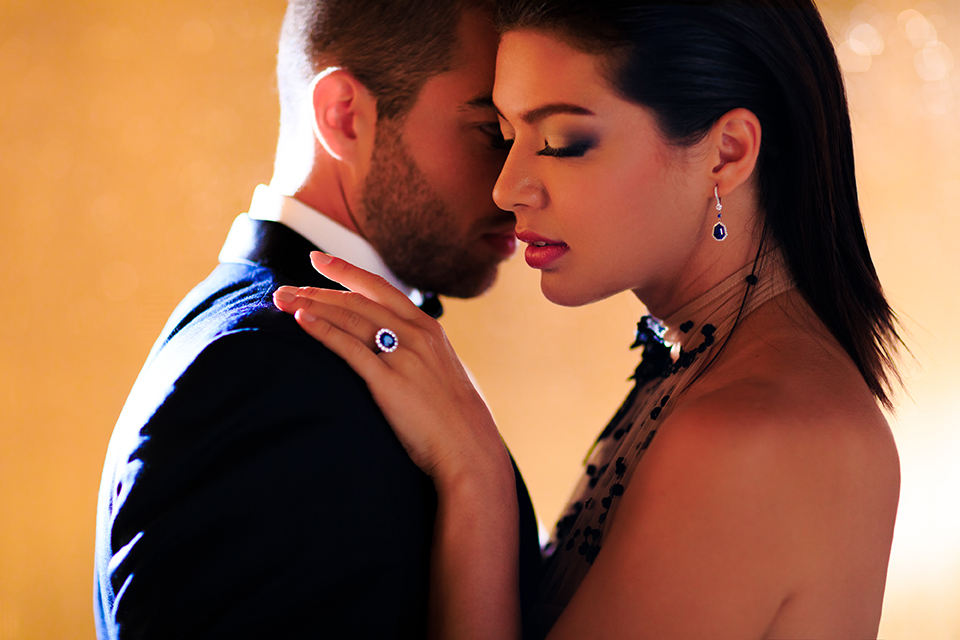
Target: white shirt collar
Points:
(335, 239)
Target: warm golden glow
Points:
(132, 134)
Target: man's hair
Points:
(391, 46)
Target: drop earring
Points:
(719, 229)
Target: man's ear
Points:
(344, 116)
(735, 139)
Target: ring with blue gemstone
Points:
(386, 341)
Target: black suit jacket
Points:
(252, 488)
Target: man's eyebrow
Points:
(480, 102)
(534, 116)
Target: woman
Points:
(700, 156)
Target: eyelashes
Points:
(575, 150)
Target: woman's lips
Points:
(542, 252)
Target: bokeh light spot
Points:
(933, 62)
(915, 26)
(868, 36)
(854, 56)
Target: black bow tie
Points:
(431, 305)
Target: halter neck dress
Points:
(676, 352)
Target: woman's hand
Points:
(446, 429)
(421, 387)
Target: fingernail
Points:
(305, 316)
(284, 295)
(319, 257)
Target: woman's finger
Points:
(370, 285)
(351, 349)
(347, 310)
(360, 326)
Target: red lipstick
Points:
(541, 252)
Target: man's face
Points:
(427, 203)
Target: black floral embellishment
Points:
(663, 400)
(686, 326)
(708, 330)
(606, 502)
(602, 518)
(572, 540)
(649, 331)
(616, 489)
(591, 470)
(589, 504)
(655, 413)
(686, 359)
(620, 468)
(589, 551)
(564, 525)
(752, 279)
(648, 440)
(656, 360)
(595, 479)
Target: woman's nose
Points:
(518, 187)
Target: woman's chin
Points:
(567, 296)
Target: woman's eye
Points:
(576, 150)
(497, 141)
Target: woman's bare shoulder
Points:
(789, 405)
(792, 429)
(791, 447)
(764, 506)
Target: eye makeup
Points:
(574, 150)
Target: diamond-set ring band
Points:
(386, 341)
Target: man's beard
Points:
(416, 234)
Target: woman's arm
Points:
(474, 584)
(447, 430)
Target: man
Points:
(252, 488)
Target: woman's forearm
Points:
(474, 582)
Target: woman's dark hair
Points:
(692, 62)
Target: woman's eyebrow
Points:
(535, 115)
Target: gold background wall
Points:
(131, 134)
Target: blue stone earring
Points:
(719, 229)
